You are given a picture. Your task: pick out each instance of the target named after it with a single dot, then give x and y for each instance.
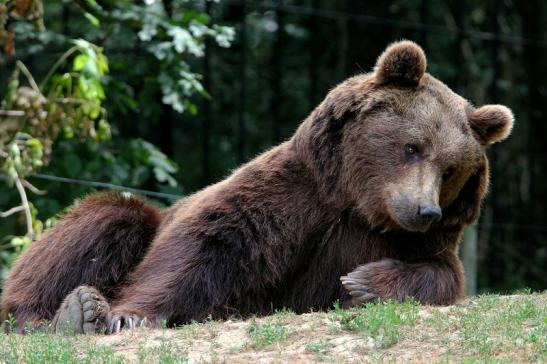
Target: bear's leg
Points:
(184, 278)
(176, 297)
(439, 282)
(97, 243)
(84, 311)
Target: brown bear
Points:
(379, 181)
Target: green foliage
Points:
(69, 102)
(171, 36)
(23, 155)
(70, 123)
(35, 117)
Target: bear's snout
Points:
(429, 214)
(420, 218)
(414, 214)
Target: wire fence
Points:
(108, 186)
(173, 197)
(377, 20)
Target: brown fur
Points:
(96, 243)
(402, 62)
(490, 124)
(343, 194)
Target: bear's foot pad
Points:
(84, 311)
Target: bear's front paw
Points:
(371, 281)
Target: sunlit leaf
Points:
(92, 19)
(80, 62)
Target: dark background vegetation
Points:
(285, 57)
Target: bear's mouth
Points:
(415, 226)
(413, 218)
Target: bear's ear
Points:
(491, 123)
(402, 62)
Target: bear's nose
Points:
(429, 213)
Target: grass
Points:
(320, 349)
(45, 348)
(382, 321)
(494, 328)
(270, 331)
(483, 329)
(164, 353)
(39, 348)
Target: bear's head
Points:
(400, 147)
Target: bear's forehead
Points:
(430, 114)
(433, 105)
(434, 96)
(431, 99)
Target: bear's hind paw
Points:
(84, 311)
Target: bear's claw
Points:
(119, 321)
(358, 289)
(358, 283)
(363, 282)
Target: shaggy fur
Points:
(96, 243)
(345, 194)
(402, 62)
(490, 123)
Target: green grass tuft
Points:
(167, 352)
(38, 348)
(272, 330)
(382, 321)
(320, 349)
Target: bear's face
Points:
(418, 150)
(401, 147)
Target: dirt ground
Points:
(487, 328)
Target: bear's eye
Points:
(448, 173)
(411, 150)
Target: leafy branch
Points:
(170, 39)
(34, 116)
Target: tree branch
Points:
(26, 207)
(27, 73)
(33, 189)
(11, 211)
(93, 8)
(57, 64)
(13, 113)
